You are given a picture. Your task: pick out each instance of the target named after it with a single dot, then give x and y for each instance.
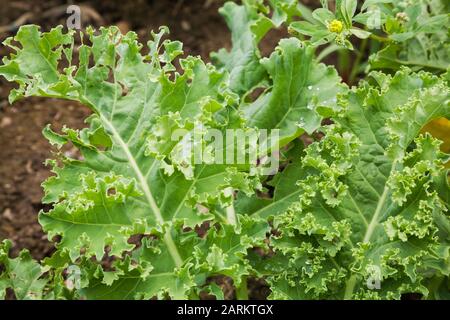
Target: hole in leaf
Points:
(111, 192)
(255, 94)
(10, 295)
(56, 239)
(125, 89)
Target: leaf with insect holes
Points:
(130, 178)
(371, 216)
(22, 275)
(144, 274)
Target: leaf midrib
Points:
(173, 251)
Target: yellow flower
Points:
(335, 26)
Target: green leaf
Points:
(348, 9)
(392, 58)
(149, 272)
(305, 28)
(215, 290)
(367, 207)
(285, 191)
(23, 275)
(247, 28)
(144, 275)
(224, 251)
(362, 34)
(420, 33)
(323, 15)
(368, 3)
(299, 88)
(357, 210)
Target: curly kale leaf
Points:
(368, 207)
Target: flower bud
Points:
(335, 26)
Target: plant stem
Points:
(327, 51)
(360, 55)
(379, 38)
(231, 214)
(350, 286)
(344, 63)
(145, 188)
(242, 290)
(374, 222)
